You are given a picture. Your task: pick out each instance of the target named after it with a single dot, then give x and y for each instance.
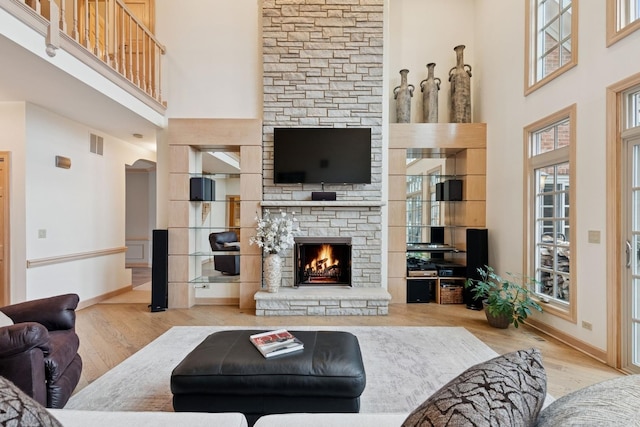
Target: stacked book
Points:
(274, 343)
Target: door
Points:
(631, 283)
(4, 229)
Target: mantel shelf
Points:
(313, 203)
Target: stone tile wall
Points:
(323, 68)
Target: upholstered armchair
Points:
(225, 241)
(39, 352)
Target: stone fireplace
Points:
(323, 63)
(322, 261)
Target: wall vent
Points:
(96, 144)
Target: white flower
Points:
(274, 233)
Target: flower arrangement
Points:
(274, 232)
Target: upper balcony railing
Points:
(108, 30)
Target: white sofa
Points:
(79, 418)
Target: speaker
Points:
(452, 190)
(420, 290)
(160, 270)
(440, 192)
(437, 235)
(323, 195)
(202, 189)
(477, 257)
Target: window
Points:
(633, 108)
(550, 193)
(623, 18)
(414, 208)
(434, 205)
(551, 40)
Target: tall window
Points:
(414, 208)
(551, 40)
(550, 194)
(623, 18)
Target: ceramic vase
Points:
(272, 272)
(402, 94)
(460, 79)
(430, 87)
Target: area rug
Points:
(403, 365)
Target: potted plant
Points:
(505, 301)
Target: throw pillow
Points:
(508, 390)
(609, 403)
(18, 409)
(5, 320)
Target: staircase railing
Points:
(111, 32)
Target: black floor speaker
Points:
(160, 271)
(477, 257)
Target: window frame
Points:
(531, 55)
(567, 311)
(615, 33)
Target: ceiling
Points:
(26, 77)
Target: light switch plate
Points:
(594, 236)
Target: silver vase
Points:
(272, 272)
(430, 87)
(402, 94)
(460, 78)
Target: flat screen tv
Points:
(322, 155)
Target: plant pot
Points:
(501, 321)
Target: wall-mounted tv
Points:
(322, 155)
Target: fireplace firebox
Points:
(322, 261)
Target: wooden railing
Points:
(110, 31)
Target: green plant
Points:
(511, 298)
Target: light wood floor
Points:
(109, 333)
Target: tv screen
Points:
(322, 155)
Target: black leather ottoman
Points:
(226, 373)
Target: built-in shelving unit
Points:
(461, 149)
(189, 228)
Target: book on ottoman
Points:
(274, 343)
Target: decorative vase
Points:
(272, 271)
(430, 87)
(402, 94)
(460, 78)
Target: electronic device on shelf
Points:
(427, 247)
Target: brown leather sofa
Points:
(39, 353)
(226, 264)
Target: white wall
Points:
(82, 208)
(213, 66)
(507, 111)
(424, 31)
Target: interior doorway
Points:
(140, 212)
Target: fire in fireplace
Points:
(322, 261)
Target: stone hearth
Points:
(317, 301)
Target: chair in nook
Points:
(226, 241)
